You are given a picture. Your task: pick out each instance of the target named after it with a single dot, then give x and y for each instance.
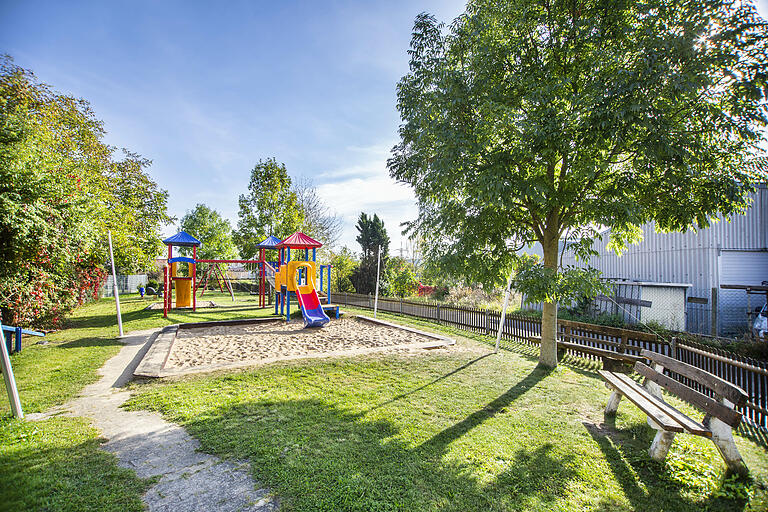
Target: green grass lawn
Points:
(456, 430)
(449, 430)
(56, 464)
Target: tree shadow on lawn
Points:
(108, 319)
(648, 484)
(435, 381)
(317, 456)
(53, 474)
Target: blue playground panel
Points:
(12, 334)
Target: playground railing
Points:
(13, 334)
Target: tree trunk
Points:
(548, 354)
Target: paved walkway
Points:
(144, 442)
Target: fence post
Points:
(567, 333)
(401, 305)
(438, 313)
(713, 313)
(624, 341)
(487, 322)
(673, 347)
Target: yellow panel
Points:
(293, 267)
(183, 293)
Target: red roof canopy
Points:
(299, 240)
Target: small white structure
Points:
(667, 304)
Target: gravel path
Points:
(143, 441)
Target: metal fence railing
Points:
(748, 373)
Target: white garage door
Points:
(740, 268)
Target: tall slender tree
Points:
(538, 120)
(371, 235)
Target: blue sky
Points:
(206, 89)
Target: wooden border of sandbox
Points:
(153, 363)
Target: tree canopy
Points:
(277, 205)
(532, 120)
(213, 231)
(270, 207)
(61, 189)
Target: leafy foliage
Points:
(530, 121)
(344, 264)
(371, 236)
(61, 189)
(213, 231)
(269, 208)
(400, 278)
(319, 222)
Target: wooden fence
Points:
(749, 374)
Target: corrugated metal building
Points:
(728, 252)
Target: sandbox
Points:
(210, 346)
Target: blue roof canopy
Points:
(270, 242)
(183, 239)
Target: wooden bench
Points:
(720, 415)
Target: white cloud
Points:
(379, 194)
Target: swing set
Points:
(186, 287)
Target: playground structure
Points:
(288, 278)
(296, 278)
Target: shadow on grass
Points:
(316, 456)
(645, 482)
(41, 472)
(435, 381)
(107, 319)
(93, 341)
(498, 405)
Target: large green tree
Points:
(61, 190)
(270, 207)
(539, 120)
(213, 231)
(371, 234)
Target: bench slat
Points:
(598, 351)
(728, 415)
(721, 387)
(640, 399)
(690, 425)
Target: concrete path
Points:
(144, 442)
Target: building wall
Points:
(690, 257)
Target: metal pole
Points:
(10, 381)
(376, 300)
(114, 285)
(503, 314)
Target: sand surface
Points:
(221, 345)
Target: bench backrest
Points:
(721, 388)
